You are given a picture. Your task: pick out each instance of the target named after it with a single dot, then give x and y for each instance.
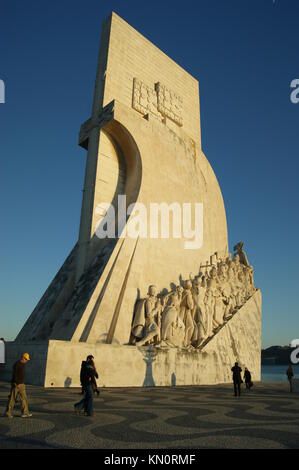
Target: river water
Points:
(277, 373)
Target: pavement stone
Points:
(205, 417)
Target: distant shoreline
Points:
(277, 355)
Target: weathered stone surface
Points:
(128, 366)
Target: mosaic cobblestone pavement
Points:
(153, 418)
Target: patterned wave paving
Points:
(152, 418)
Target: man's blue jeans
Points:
(86, 402)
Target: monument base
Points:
(57, 363)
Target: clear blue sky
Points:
(244, 54)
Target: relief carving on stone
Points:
(169, 103)
(159, 101)
(145, 99)
(192, 313)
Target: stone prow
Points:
(239, 339)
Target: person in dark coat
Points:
(82, 373)
(236, 370)
(87, 379)
(96, 375)
(290, 376)
(247, 379)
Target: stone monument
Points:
(150, 309)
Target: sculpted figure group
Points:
(191, 313)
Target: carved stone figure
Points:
(236, 267)
(172, 327)
(187, 306)
(189, 315)
(218, 310)
(241, 253)
(236, 261)
(146, 324)
(247, 282)
(242, 280)
(210, 306)
(244, 260)
(233, 288)
(200, 311)
(225, 288)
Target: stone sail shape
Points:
(143, 142)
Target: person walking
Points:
(247, 379)
(89, 361)
(290, 375)
(236, 370)
(96, 375)
(18, 388)
(82, 374)
(87, 378)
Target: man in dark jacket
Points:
(18, 387)
(90, 360)
(247, 378)
(290, 376)
(87, 378)
(236, 370)
(82, 375)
